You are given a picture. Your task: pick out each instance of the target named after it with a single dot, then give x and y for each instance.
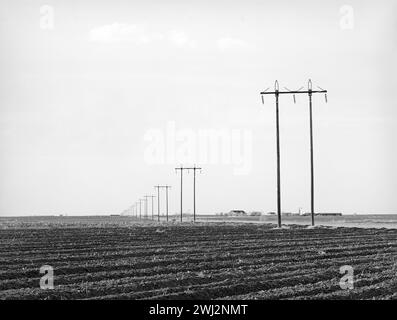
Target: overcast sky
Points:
(100, 100)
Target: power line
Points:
(146, 205)
(140, 208)
(277, 92)
(152, 196)
(194, 168)
(158, 187)
(158, 202)
(166, 200)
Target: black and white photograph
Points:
(216, 153)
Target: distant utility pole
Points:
(166, 187)
(140, 208)
(158, 202)
(146, 206)
(152, 196)
(166, 199)
(277, 92)
(194, 168)
(181, 169)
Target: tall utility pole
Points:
(310, 93)
(166, 187)
(277, 92)
(194, 168)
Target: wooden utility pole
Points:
(152, 196)
(166, 187)
(310, 93)
(277, 92)
(158, 202)
(181, 169)
(194, 168)
(140, 208)
(146, 206)
(166, 200)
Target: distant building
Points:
(237, 213)
(255, 213)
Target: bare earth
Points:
(123, 258)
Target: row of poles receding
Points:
(277, 93)
(138, 204)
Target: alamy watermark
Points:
(347, 281)
(46, 17)
(346, 21)
(47, 280)
(204, 146)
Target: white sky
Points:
(76, 101)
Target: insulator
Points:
(326, 98)
(294, 98)
(263, 101)
(309, 85)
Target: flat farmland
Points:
(122, 258)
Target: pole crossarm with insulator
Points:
(140, 208)
(277, 92)
(152, 197)
(194, 168)
(158, 187)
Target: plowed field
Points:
(142, 260)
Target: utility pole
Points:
(181, 169)
(158, 202)
(194, 191)
(310, 93)
(140, 208)
(194, 168)
(146, 205)
(152, 196)
(166, 199)
(277, 92)
(166, 187)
